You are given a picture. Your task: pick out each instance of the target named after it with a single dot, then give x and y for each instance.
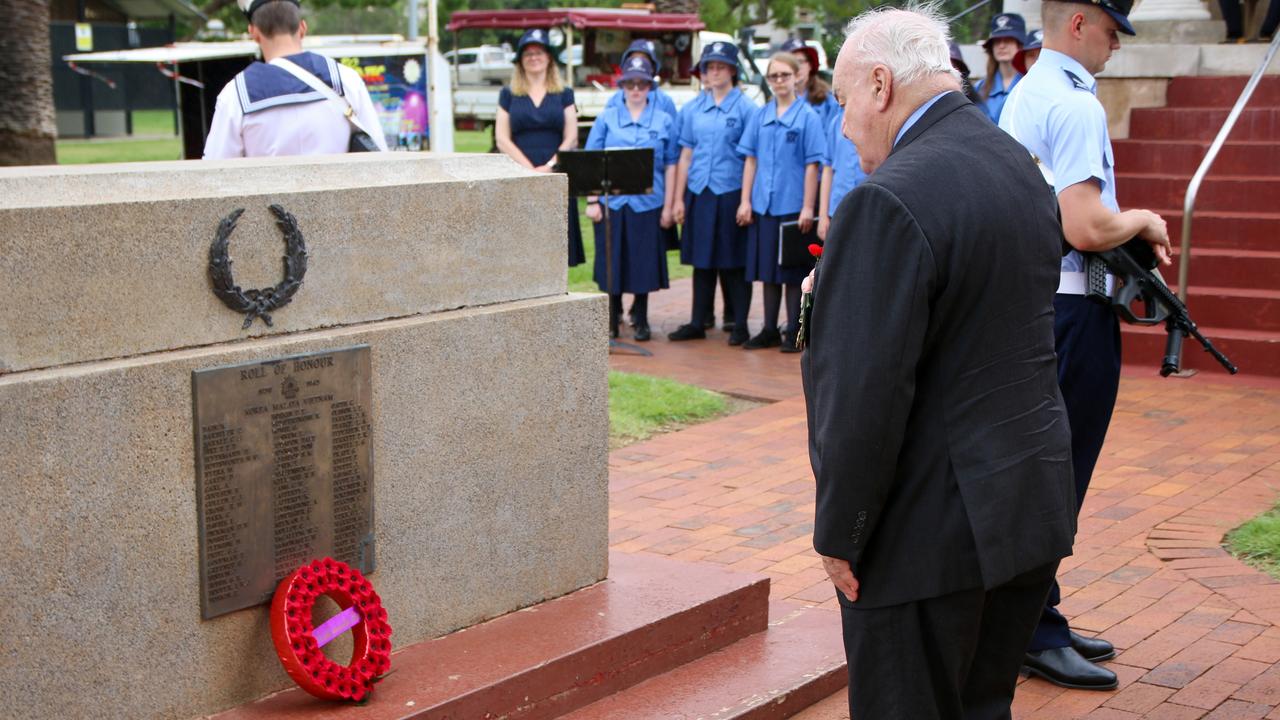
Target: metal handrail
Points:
(967, 10)
(1189, 203)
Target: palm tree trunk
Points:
(28, 126)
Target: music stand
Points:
(626, 171)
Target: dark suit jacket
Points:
(936, 430)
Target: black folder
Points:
(793, 245)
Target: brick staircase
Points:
(1234, 293)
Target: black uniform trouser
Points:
(1232, 16)
(954, 657)
(1087, 337)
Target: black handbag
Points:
(361, 142)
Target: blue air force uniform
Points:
(783, 147)
(639, 255)
(1056, 115)
(842, 158)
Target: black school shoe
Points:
(728, 325)
(642, 332)
(1067, 668)
(768, 337)
(687, 332)
(789, 343)
(1093, 649)
(738, 337)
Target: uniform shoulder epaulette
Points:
(1076, 82)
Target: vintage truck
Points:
(591, 41)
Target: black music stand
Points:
(609, 172)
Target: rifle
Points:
(1133, 263)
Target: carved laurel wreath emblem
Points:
(258, 302)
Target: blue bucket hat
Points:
(638, 67)
(719, 51)
(796, 46)
(1007, 25)
(650, 50)
(1035, 41)
(1117, 9)
(534, 36)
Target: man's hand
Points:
(1156, 233)
(806, 285)
(841, 576)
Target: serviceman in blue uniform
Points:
(1008, 35)
(1055, 113)
(841, 172)
(708, 190)
(639, 255)
(783, 146)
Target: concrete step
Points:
(1234, 193)
(1226, 230)
(1253, 352)
(1221, 92)
(770, 675)
(1231, 268)
(1181, 123)
(1235, 308)
(651, 615)
(1182, 157)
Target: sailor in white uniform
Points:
(266, 110)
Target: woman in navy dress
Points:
(783, 146)
(708, 189)
(638, 253)
(537, 119)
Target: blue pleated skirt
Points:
(639, 252)
(762, 252)
(712, 238)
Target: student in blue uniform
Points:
(810, 86)
(537, 118)
(841, 172)
(783, 145)
(639, 256)
(708, 190)
(1030, 52)
(1008, 35)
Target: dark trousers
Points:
(954, 657)
(1232, 16)
(1087, 336)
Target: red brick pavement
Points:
(1185, 461)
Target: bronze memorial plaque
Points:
(284, 471)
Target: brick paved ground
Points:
(1185, 461)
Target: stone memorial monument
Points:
(185, 417)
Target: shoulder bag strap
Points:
(339, 102)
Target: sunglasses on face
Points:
(635, 85)
(780, 77)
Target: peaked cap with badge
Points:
(248, 7)
(1118, 10)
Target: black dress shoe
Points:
(738, 337)
(709, 321)
(769, 337)
(687, 332)
(642, 332)
(728, 325)
(1093, 649)
(1067, 668)
(789, 343)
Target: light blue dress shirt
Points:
(842, 158)
(783, 147)
(914, 117)
(654, 129)
(713, 131)
(999, 95)
(1056, 115)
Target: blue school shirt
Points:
(655, 129)
(842, 158)
(999, 93)
(657, 98)
(713, 131)
(783, 147)
(826, 109)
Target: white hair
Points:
(912, 42)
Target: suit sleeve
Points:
(870, 315)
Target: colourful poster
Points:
(398, 86)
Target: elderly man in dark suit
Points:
(937, 433)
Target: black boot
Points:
(768, 337)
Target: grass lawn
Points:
(641, 406)
(153, 139)
(1257, 542)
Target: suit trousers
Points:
(954, 657)
(1087, 337)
